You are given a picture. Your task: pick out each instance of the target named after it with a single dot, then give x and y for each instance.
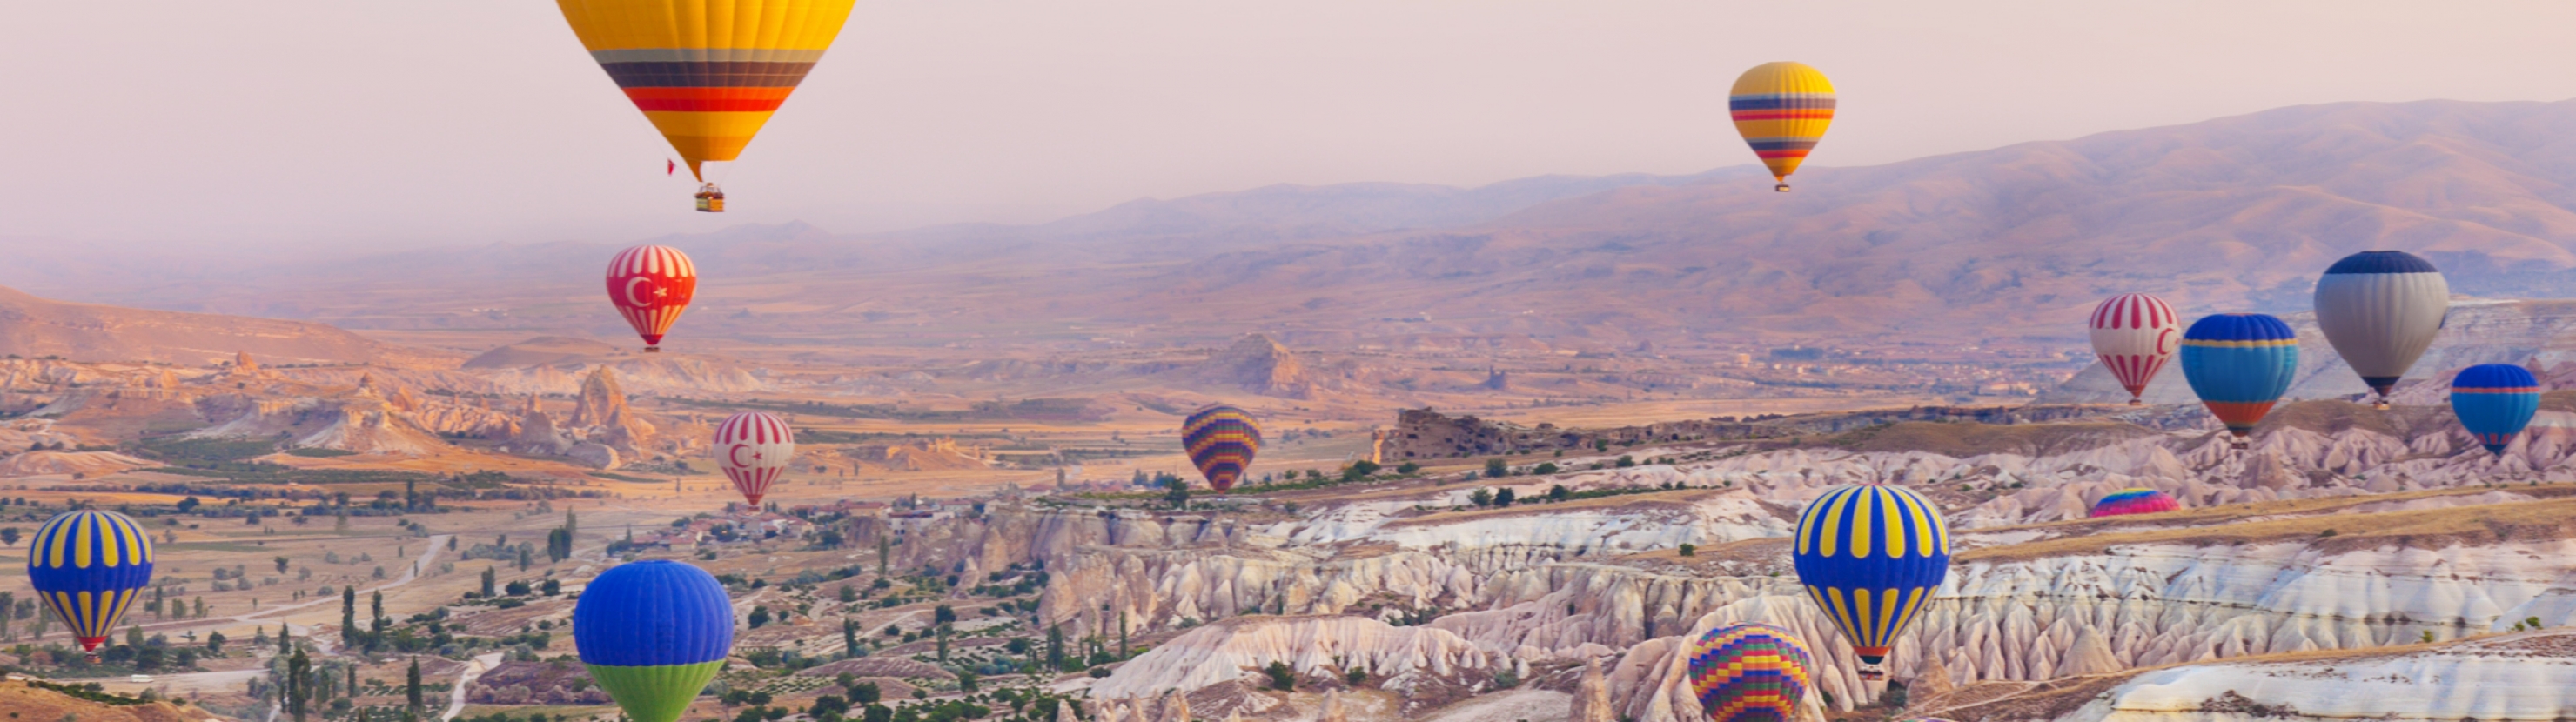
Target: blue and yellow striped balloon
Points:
(1870, 555)
(88, 566)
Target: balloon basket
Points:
(2382, 405)
(710, 199)
(652, 349)
(1873, 675)
(2136, 402)
(2239, 444)
(1781, 188)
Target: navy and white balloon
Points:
(2381, 309)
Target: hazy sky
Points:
(399, 123)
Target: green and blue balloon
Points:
(653, 633)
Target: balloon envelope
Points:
(753, 448)
(2494, 402)
(1221, 441)
(707, 73)
(650, 286)
(2134, 501)
(1869, 556)
(2240, 364)
(1782, 110)
(88, 566)
(653, 633)
(2135, 334)
(1749, 673)
(2381, 309)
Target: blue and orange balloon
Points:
(1221, 441)
(2240, 364)
(653, 633)
(2494, 402)
(2134, 501)
(88, 566)
(1749, 673)
(1870, 555)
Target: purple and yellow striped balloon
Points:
(1221, 441)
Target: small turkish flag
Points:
(673, 167)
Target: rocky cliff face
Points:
(1262, 366)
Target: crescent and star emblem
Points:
(637, 301)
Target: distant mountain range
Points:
(2004, 246)
(32, 327)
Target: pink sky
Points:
(292, 123)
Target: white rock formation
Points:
(1403, 658)
(2519, 677)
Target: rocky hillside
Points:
(2337, 547)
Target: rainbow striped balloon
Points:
(708, 73)
(1221, 441)
(2134, 501)
(1870, 555)
(88, 566)
(1782, 110)
(1749, 673)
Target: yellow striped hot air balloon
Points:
(1782, 110)
(88, 566)
(708, 73)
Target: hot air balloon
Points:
(1221, 441)
(2380, 309)
(754, 448)
(1869, 556)
(707, 73)
(2134, 501)
(1749, 673)
(88, 565)
(651, 285)
(1781, 109)
(2240, 364)
(2495, 401)
(653, 633)
(2135, 334)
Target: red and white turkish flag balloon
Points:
(651, 285)
(2135, 334)
(753, 448)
